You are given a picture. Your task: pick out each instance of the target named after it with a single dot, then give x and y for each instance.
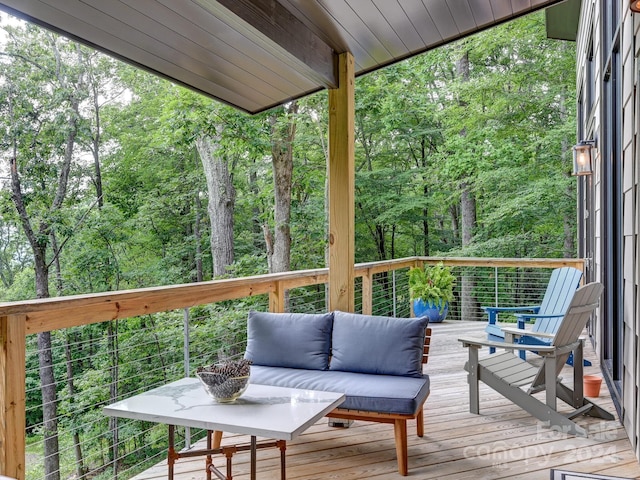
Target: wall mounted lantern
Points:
(634, 5)
(583, 157)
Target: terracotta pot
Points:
(592, 385)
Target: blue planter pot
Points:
(431, 310)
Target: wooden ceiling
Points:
(255, 54)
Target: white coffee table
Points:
(262, 411)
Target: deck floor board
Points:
(502, 442)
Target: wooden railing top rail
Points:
(473, 262)
(64, 312)
(507, 262)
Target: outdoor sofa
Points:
(375, 361)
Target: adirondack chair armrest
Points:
(479, 343)
(511, 334)
(512, 309)
(519, 332)
(523, 318)
(559, 350)
(492, 312)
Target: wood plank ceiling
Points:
(255, 54)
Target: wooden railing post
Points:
(367, 292)
(419, 263)
(12, 396)
(276, 298)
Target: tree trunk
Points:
(222, 198)
(425, 193)
(380, 238)
(455, 222)
(56, 264)
(75, 433)
(95, 146)
(39, 245)
(327, 248)
(283, 131)
(112, 342)
(256, 224)
(49, 408)
(47, 377)
(568, 219)
(468, 207)
(197, 234)
(468, 304)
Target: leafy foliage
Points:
(433, 284)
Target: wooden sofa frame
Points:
(399, 421)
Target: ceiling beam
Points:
(278, 31)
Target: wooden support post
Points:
(12, 396)
(342, 187)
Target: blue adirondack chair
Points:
(547, 316)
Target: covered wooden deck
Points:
(502, 442)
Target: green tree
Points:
(40, 139)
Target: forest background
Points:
(113, 178)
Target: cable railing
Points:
(110, 346)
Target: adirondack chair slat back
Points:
(560, 290)
(584, 302)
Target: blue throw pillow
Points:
(379, 345)
(293, 340)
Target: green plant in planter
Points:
(432, 284)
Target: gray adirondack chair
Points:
(518, 380)
(546, 316)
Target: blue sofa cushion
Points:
(371, 393)
(377, 345)
(294, 340)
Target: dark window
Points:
(611, 226)
(589, 87)
(610, 16)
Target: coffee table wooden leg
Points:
(282, 445)
(209, 460)
(171, 454)
(253, 457)
(217, 438)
